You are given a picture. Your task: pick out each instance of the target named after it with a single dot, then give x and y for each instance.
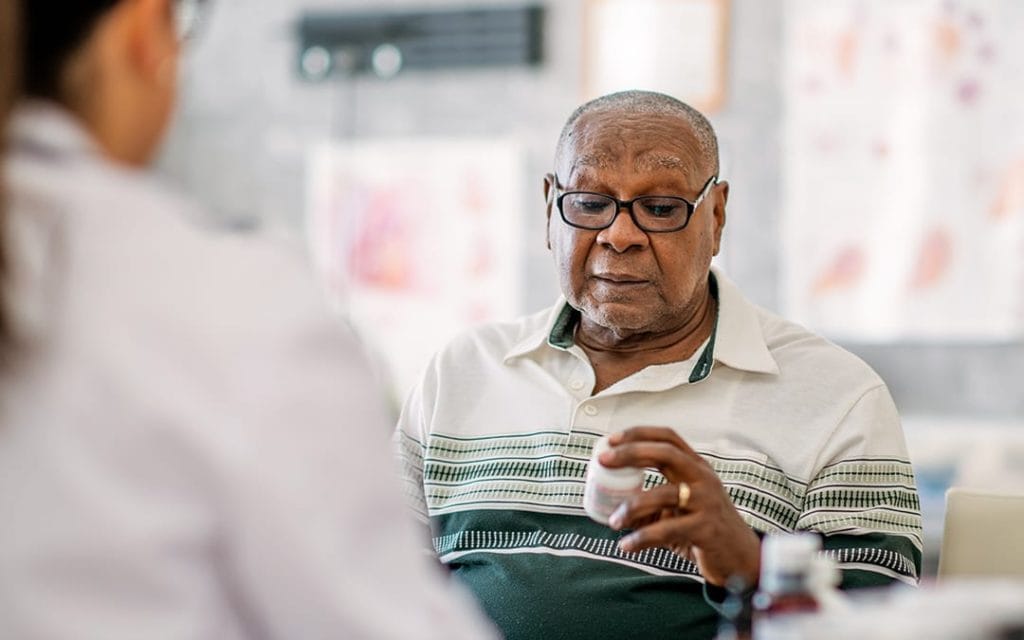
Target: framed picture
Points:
(416, 240)
(676, 47)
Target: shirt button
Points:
(576, 385)
(590, 410)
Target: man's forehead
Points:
(592, 159)
(608, 140)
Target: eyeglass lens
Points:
(593, 210)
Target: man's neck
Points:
(615, 357)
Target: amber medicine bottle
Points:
(785, 590)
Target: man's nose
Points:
(623, 232)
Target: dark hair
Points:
(52, 31)
(9, 69)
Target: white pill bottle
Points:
(607, 488)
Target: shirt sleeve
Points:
(410, 444)
(863, 498)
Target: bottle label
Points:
(606, 489)
(600, 502)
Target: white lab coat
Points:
(191, 447)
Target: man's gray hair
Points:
(649, 103)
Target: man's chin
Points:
(619, 318)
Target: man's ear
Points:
(721, 192)
(549, 203)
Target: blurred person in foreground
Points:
(747, 424)
(189, 446)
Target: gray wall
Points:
(246, 119)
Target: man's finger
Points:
(663, 533)
(641, 508)
(650, 434)
(674, 463)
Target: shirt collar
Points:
(737, 340)
(44, 128)
(561, 323)
(740, 344)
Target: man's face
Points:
(621, 278)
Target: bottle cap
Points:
(620, 477)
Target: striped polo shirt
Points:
(496, 437)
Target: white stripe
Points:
(504, 506)
(448, 557)
(873, 568)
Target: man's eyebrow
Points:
(646, 162)
(595, 159)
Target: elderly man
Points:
(747, 424)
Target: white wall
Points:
(246, 120)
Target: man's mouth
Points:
(621, 278)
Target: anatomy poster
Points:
(418, 240)
(903, 209)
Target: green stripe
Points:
(547, 467)
(512, 436)
(863, 498)
(445, 448)
(545, 597)
(510, 562)
(515, 563)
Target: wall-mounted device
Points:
(386, 42)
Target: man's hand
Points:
(707, 530)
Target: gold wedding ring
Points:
(684, 495)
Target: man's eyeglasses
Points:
(656, 214)
(188, 14)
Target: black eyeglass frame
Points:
(691, 207)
